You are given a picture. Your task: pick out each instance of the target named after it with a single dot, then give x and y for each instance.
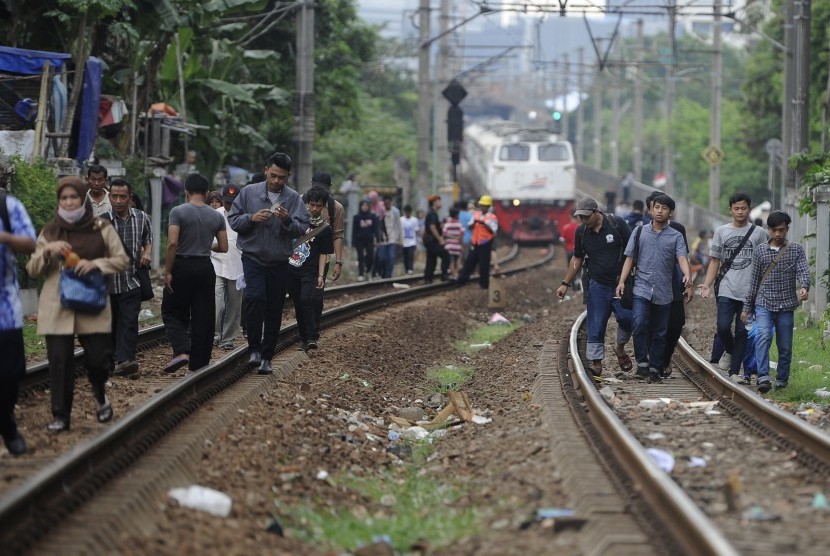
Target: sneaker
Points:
(265, 367)
(654, 376)
(126, 368)
(311, 345)
(16, 446)
(764, 386)
(227, 346)
(254, 357)
(642, 370)
(58, 425)
(410, 271)
(780, 384)
(725, 361)
(177, 363)
(361, 278)
(737, 379)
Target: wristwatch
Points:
(568, 284)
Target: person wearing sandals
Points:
(598, 246)
(99, 248)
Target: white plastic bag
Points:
(202, 498)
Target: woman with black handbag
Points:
(91, 246)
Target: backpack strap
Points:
(331, 210)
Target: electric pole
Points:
(304, 98)
(440, 106)
(638, 108)
(566, 88)
(580, 111)
(715, 117)
(422, 166)
(597, 94)
(668, 148)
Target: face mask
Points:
(72, 216)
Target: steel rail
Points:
(29, 511)
(785, 424)
(38, 373)
(694, 532)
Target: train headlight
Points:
(516, 202)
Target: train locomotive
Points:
(529, 173)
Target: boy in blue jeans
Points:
(776, 266)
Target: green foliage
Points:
(449, 377)
(414, 507)
(808, 350)
(34, 184)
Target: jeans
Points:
(729, 312)
(387, 253)
(228, 301)
(409, 258)
(601, 304)
(650, 323)
(265, 287)
(782, 321)
(125, 308)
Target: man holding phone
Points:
(268, 216)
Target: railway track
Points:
(736, 474)
(48, 496)
(153, 336)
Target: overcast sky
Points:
(390, 12)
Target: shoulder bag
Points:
(627, 299)
(83, 294)
(142, 273)
(769, 268)
(727, 264)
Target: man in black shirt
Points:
(434, 242)
(598, 244)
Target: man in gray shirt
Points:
(659, 247)
(187, 306)
(734, 267)
(267, 216)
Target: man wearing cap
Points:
(483, 226)
(434, 242)
(228, 267)
(598, 245)
(335, 215)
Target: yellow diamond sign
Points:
(713, 155)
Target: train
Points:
(529, 173)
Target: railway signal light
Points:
(557, 115)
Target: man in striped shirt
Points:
(133, 226)
(773, 300)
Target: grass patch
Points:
(449, 377)
(35, 345)
(489, 334)
(807, 351)
(402, 507)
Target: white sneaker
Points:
(725, 361)
(409, 272)
(361, 278)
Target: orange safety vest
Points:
(483, 232)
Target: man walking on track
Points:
(599, 244)
(268, 216)
(484, 226)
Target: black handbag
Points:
(83, 294)
(142, 273)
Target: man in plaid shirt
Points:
(133, 226)
(774, 301)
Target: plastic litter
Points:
(393, 436)
(653, 404)
(415, 433)
(275, 528)
(661, 458)
(480, 346)
(757, 513)
(656, 436)
(815, 368)
(820, 502)
(202, 498)
(553, 513)
(145, 314)
(695, 461)
(481, 420)
(322, 475)
(400, 286)
(498, 318)
(822, 392)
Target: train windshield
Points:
(553, 152)
(515, 153)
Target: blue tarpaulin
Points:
(90, 101)
(28, 62)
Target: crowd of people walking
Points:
(234, 254)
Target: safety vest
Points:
(484, 227)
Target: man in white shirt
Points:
(97, 179)
(228, 267)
